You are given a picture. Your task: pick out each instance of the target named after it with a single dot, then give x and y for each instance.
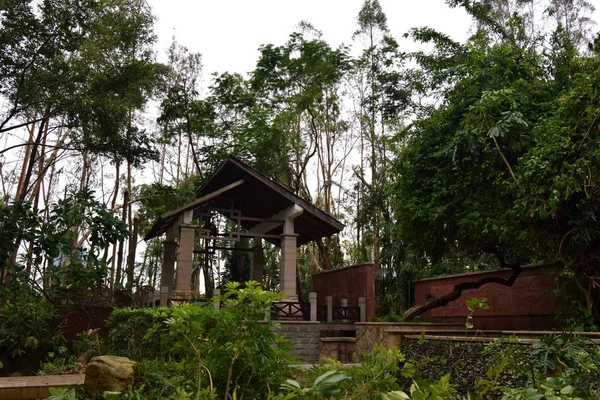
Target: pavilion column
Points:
(166, 275)
(185, 257)
(287, 267)
(258, 259)
(287, 260)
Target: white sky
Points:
(228, 33)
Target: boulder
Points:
(109, 373)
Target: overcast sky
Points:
(228, 32)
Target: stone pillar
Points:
(344, 303)
(287, 267)
(329, 301)
(185, 258)
(166, 275)
(256, 272)
(362, 304)
(312, 298)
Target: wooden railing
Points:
(290, 310)
(322, 313)
(346, 313)
(302, 310)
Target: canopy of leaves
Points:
(506, 165)
(87, 64)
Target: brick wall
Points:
(527, 305)
(347, 283)
(303, 338)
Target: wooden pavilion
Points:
(260, 209)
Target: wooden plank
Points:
(287, 194)
(202, 199)
(36, 387)
(279, 190)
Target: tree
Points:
(382, 97)
(502, 168)
(177, 108)
(76, 76)
(300, 85)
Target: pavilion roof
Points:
(237, 185)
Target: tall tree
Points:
(484, 176)
(79, 72)
(382, 97)
(181, 91)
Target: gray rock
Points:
(109, 373)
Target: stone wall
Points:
(464, 360)
(303, 338)
(370, 333)
(342, 349)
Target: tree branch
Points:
(435, 302)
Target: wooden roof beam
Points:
(287, 214)
(202, 199)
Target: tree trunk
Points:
(24, 183)
(26, 158)
(131, 252)
(122, 242)
(324, 253)
(113, 205)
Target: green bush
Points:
(128, 332)
(26, 328)
(203, 350)
(158, 379)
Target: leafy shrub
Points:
(26, 329)
(161, 378)
(204, 350)
(325, 385)
(563, 366)
(381, 371)
(128, 334)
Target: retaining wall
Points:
(304, 339)
(370, 333)
(464, 360)
(342, 349)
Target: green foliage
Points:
(56, 243)
(62, 394)
(473, 304)
(571, 359)
(502, 166)
(26, 328)
(66, 267)
(228, 351)
(563, 366)
(326, 385)
(439, 390)
(90, 64)
(128, 332)
(161, 379)
(380, 371)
